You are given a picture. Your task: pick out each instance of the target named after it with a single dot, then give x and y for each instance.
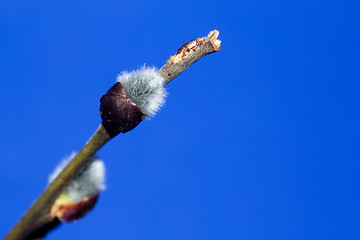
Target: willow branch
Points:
(37, 218)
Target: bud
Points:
(67, 211)
(137, 95)
(81, 194)
(119, 113)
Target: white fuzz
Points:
(87, 183)
(145, 88)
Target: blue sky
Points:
(257, 141)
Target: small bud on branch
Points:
(80, 195)
(136, 95)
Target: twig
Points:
(37, 215)
(189, 53)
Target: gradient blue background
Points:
(258, 141)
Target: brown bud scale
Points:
(69, 212)
(119, 113)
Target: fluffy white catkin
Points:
(87, 183)
(145, 88)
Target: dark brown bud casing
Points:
(119, 113)
(69, 212)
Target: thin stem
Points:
(32, 220)
(41, 232)
(37, 217)
(189, 53)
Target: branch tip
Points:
(189, 53)
(213, 36)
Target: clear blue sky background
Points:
(258, 141)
